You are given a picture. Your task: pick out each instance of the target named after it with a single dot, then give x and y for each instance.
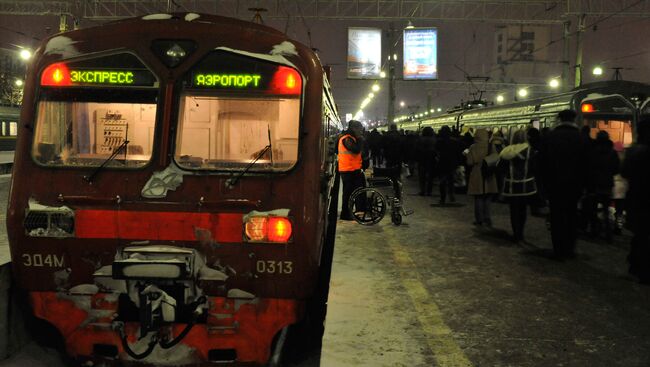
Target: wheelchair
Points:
(383, 192)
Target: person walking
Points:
(603, 165)
(482, 188)
(426, 156)
(564, 163)
(519, 184)
(450, 154)
(350, 148)
(635, 170)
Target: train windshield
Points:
(93, 109)
(235, 110)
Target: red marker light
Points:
(286, 81)
(588, 107)
(279, 229)
(56, 75)
(268, 229)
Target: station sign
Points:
(364, 53)
(420, 54)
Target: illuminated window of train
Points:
(235, 110)
(82, 121)
(618, 130)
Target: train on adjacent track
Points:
(174, 200)
(613, 106)
(9, 117)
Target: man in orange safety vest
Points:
(350, 148)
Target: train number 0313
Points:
(42, 260)
(274, 267)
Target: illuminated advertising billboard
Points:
(420, 53)
(364, 53)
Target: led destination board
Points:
(226, 71)
(227, 80)
(101, 77)
(61, 75)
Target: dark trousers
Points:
(591, 203)
(482, 209)
(518, 208)
(425, 176)
(447, 186)
(351, 181)
(563, 224)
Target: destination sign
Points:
(62, 75)
(226, 71)
(227, 80)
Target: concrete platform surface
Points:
(439, 291)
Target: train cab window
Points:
(237, 111)
(618, 130)
(93, 109)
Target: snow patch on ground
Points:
(191, 16)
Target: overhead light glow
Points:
(25, 54)
(500, 98)
(554, 83)
(382, 74)
(375, 88)
(19, 83)
(439, 109)
(597, 70)
(523, 92)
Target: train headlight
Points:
(268, 229)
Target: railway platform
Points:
(437, 291)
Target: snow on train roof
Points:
(61, 45)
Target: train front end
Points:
(171, 199)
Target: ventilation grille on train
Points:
(49, 223)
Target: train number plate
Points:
(43, 260)
(274, 267)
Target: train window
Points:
(236, 110)
(618, 130)
(13, 128)
(92, 109)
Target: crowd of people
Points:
(580, 179)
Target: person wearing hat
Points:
(350, 148)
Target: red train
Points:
(174, 197)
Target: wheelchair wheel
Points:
(367, 205)
(396, 218)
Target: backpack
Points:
(490, 163)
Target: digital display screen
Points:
(113, 70)
(227, 80)
(364, 53)
(420, 53)
(222, 70)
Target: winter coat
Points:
(519, 179)
(635, 170)
(450, 154)
(563, 161)
(477, 185)
(602, 165)
(392, 145)
(425, 151)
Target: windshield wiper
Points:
(231, 182)
(117, 151)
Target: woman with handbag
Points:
(519, 184)
(482, 188)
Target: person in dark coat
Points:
(563, 162)
(635, 170)
(519, 183)
(450, 156)
(392, 147)
(409, 154)
(374, 145)
(426, 156)
(602, 165)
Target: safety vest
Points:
(348, 161)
